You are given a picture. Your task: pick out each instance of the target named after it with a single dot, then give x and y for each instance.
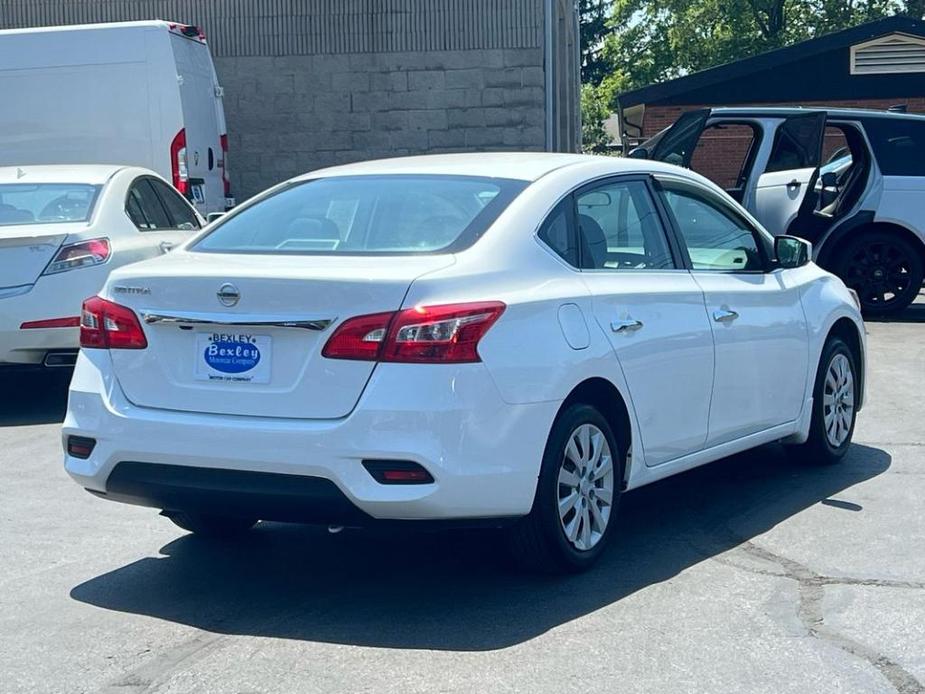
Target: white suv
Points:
(862, 209)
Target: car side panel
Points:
(901, 203)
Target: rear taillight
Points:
(225, 180)
(77, 255)
(107, 325)
(359, 338)
(178, 169)
(424, 334)
(69, 322)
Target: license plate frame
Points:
(233, 357)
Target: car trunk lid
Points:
(25, 251)
(242, 334)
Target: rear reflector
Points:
(70, 322)
(80, 446)
(108, 325)
(397, 472)
(447, 334)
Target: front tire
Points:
(577, 496)
(835, 400)
(211, 525)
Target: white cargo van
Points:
(134, 93)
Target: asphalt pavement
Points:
(753, 574)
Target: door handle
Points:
(625, 325)
(795, 184)
(166, 246)
(724, 315)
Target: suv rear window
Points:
(899, 145)
(361, 215)
(46, 203)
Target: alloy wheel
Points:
(880, 273)
(586, 487)
(838, 400)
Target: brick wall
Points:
(291, 114)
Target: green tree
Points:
(654, 40)
(592, 17)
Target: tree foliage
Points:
(632, 43)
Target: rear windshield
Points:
(46, 203)
(367, 215)
(899, 145)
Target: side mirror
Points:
(829, 179)
(212, 216)
(792, 252)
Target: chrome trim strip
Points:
(305, 324)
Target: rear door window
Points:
(797, 143)
(144, 207)
(899, 145)
(181, 214)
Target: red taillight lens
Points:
(178, 169)
(440, 334)
(77, 255)
(225, 179)
(358, 338)
(107, 325)
(424, 334)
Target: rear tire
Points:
(211, 525)
(835, 400)
(884, 269)
(577, 496)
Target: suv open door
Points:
(675, 145)
(790, 172)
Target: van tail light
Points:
(178, 169)
(225, 180)
(108, 325)
(447, 334)
(77, 255)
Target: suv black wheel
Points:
(577, 495)
(884, 269)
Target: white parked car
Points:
(63, 229)
(132, 93)
(511, 339)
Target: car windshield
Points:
(46, 203)
(396, 214)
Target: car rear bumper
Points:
(52, 296)
(483, 454)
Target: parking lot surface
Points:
(751, 574)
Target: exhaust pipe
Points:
(60, 359)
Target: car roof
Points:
(783, 111)
(523, 166)
(94, 174)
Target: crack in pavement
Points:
(811, 591)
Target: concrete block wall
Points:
(310, 83)
(291, 114)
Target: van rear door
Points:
(198, 95)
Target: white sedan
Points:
(503, 339)
(63, 229)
